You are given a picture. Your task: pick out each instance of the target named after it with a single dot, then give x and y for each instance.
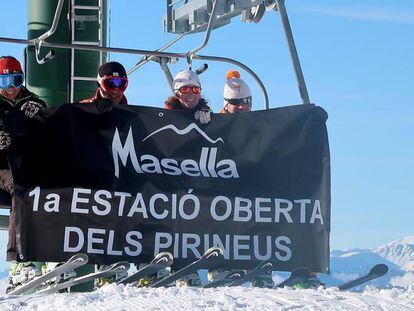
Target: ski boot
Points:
(152, 278)
(192, 280)
(111, 279)
(312, 282)
(217, 274)
(263, 280)
(21, 273)
(50, 266)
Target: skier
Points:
(112, 82)
(187, 96)
(238, 98)
(236, 94)
(14, 96)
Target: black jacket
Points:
(24, 97)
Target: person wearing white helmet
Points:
(187, 96)
(236, 94)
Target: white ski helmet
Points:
(235, 87)
(185, 77)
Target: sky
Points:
(358, 63)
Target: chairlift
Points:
(183, 17)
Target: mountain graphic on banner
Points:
(185, 131)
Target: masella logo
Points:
(207, 165)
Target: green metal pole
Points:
(51, 81)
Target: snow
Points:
(394, 291)
(112, 297)
(400, 252)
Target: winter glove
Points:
(103, 105)
(31, 108)
(5, 140)
(204, 116)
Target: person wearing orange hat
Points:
(14, 96)
(237, 99)
(236, 94)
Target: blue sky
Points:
(358, 62)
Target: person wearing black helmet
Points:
(112, 82)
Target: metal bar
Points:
(167, 72)
(95, 48)
(293, 52)
(208, 31)
(97, 43)
(85, 7)
(146, 52)
(79, 78)
(72, 52)
(147, 58)
(174, 3)
(55, 22)
(241, 65)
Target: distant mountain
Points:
(398, 255)
(400, 252)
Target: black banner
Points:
(129, 182)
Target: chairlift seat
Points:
(5, 199)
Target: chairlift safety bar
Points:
(139, 52)
(98, 46)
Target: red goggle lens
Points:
(188, 89)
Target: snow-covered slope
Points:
(114, 298)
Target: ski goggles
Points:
(13, 79)
(239, 101)
(188, 89)
(111, 83)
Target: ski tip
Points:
(120, 265)
(214, 250)
(213, 253)
(79, 257)
(268, 265)
(379, 269)
(236, 274)
(165, 259)
(167, 255)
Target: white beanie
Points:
(235, 88)
(186, 77)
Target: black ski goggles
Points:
(13, 79)
(239, 101)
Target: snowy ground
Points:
(112, 297)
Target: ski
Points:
(161, 261)
(116, 268)
(375, 272)
(74, 262)
(296, 276)
(229, 277)
(263, 267)
(209, 259)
